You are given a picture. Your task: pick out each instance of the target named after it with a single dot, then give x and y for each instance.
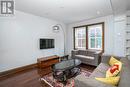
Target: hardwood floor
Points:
(30, 78)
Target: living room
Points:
(76, 36)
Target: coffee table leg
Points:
(64, 79)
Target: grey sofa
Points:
(91, 57)
(100, 71)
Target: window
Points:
(80, 38)
(95, 37)
(89, 36)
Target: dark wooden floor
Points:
(30, 78)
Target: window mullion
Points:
(95, 38)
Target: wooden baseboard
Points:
(17, 70)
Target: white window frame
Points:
(89, 37)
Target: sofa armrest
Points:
(73, 53)
(97, 57)
(98, 52)
(82, 81)
(106, 58)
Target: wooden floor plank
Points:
(30, 78)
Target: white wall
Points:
(19, 39)
(119, 34)
(110, 42)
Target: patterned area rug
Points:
(54, 83)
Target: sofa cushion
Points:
(85, 57)
(103, 67)
(125, 73)
(97, 73)
(82, 52)
(112, 71)
(115, 61)
(82, 81)
(109, 80)
(90, 53)
(100, 71)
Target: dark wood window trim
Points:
(103, 31)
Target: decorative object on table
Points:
(48, 79)
(65, 70)
(56, 28)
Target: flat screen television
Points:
(47, 43)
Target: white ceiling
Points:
(119, 6)
(67, 11)
(128, 4)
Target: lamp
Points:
(56, 29)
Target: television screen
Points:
(46, 43)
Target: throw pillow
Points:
(110, 80)
(115, 61)
(113, 71)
